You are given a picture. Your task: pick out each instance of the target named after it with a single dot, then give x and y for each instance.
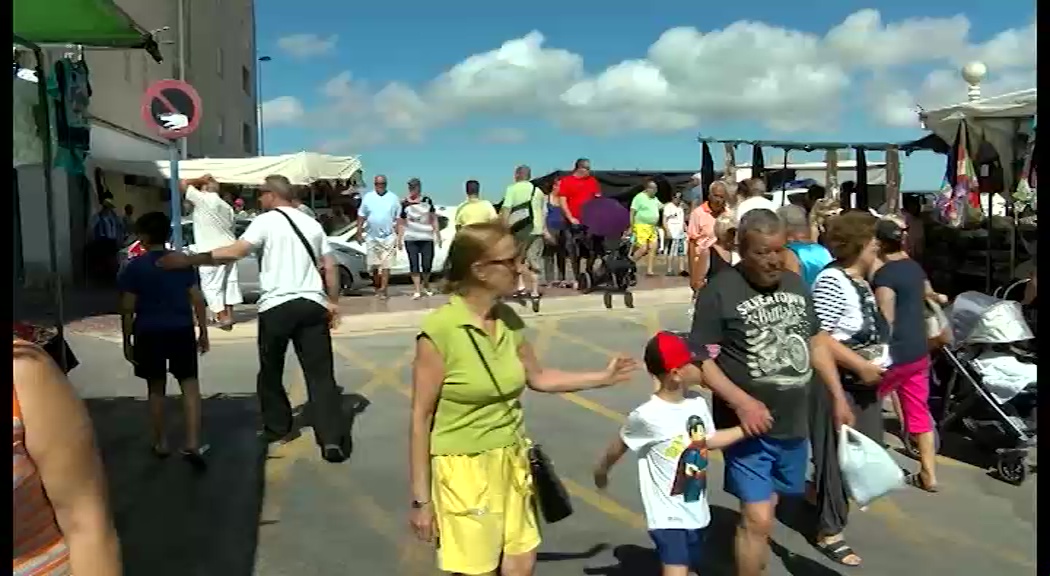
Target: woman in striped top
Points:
(61, 520)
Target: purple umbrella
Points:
(605, 217)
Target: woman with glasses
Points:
(469, 469)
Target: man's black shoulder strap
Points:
(306, 244)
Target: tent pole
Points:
(52, 248)
(783, 180)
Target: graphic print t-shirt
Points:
(670, 440)
(764, 345)
(674, 221)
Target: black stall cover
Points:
(623, 185)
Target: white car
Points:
(345, 240)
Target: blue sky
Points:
(457, 90)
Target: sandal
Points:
(915, 481)
(195, 456)
(837, 552)
(160, 451)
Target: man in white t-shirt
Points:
(751, 195)
(212, 228)
(671, 435)
(299, 282)
(674, 233)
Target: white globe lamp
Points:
(973, 73)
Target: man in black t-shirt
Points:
(770, 343)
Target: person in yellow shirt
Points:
(474, 210)
(468, 453)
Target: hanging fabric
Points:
(70, 91)
(893, 180)
(707, 170)
(1024, 195)
(27, 147)
(861, 199)
(960, 178)
(758, 163)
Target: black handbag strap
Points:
(492, 375)
(306, 244)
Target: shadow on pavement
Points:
(173, 520)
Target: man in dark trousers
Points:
(299, 303)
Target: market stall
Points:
(301, 168)
(83, 24)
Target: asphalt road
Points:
(293, 515)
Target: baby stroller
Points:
(604, 223)
(982, 382)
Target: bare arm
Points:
(200, 309)
(552, 381)
(722, 386)
(127, 315)
(726, 437)
(613, 453)
(428, 375)
(823, 361)
(360, 228)
(61, 442)
(930, 293)
(331, 278)
(224, 255)
(887, 301)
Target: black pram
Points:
(610, 266)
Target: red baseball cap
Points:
(665, 352)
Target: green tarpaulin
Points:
(91, 23)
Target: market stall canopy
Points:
(996, 120)
(93, 23)
(301, 168)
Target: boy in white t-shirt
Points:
(671, 434)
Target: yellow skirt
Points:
(484, 509)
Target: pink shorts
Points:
(912, 384)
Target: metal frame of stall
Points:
(145, 42)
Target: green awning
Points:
(90, 23)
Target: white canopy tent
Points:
(301, 168)
(996, 120)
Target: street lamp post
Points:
(258, 103)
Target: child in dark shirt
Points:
(157, 309)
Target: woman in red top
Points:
(571, 193)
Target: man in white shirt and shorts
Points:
(213, 227)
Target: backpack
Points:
(521, 218)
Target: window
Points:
(246, 80)
(218, 61)
(221, 130)
(246, 137)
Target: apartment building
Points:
(208, 43)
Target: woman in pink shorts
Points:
(901, 289)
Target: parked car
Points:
(344, 240)
(351, 273)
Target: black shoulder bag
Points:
(552, 499)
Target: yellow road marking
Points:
(605, 504)
(278, 463)
(414, 557)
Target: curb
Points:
(374, 322)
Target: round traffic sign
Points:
(173, 107)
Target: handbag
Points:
(552, 499)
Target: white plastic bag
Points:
(867, 468)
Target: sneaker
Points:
(333, 453)
(416, 295)
(428, 292)
(196, 456)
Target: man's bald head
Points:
(522, 173)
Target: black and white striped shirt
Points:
(417, 217)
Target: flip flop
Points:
(837, 552)
(915, 480)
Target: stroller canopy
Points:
(978, 318)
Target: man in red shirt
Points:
(571, 193)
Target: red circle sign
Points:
(173, 107)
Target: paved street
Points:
(294, 515)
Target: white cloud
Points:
(307, 45)
(503, 136)
(786, 79)
(281, 110)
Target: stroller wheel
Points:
(628, 299)
(607, 300)
(1011, 467)
(535, 303)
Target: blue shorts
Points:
(679, 547)
(758, 467)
